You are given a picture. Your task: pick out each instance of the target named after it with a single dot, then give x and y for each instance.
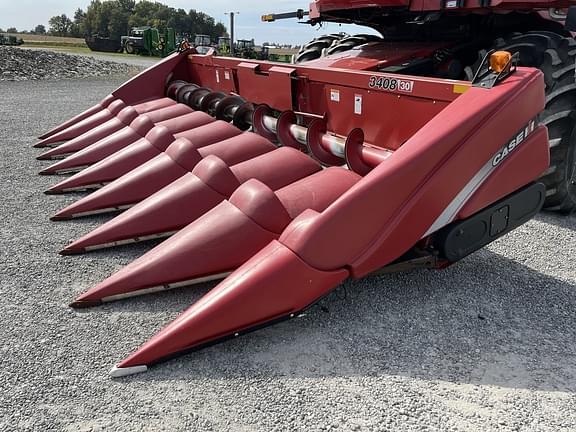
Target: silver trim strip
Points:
(462, 198)
(452, 210)
(165, 287)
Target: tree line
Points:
(115, 18)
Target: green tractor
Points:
(149, 41)
(10, 40)
(160, 44)
(246, 48)
(224, 46)
(134, 42)
(203, 43)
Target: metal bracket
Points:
(487, 78)
(299, 14)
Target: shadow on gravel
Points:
(561, 221)
(487, 320)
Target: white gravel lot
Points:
(486, 345)
(19, 64)
(133, 60)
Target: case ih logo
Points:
(515, 142)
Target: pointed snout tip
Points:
(119, 372)
(69, 250)
(84, 304)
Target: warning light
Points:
(499, 60)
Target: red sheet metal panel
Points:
(421, 179)
(261, 86)
(389, 108)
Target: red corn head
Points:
(102, 149)
(78, 118)
(194, 194)
(223, 238)
(125, 160)
(128, 118)
(95, 116)
(180, 158)
(85, 125)
(122, 120)
(154, 104)
(439, 164)
(274, 285)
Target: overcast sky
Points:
(26, 14)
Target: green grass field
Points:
(49, 41)
(63, 44)
(74, 49)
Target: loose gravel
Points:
(17, 64)
(134, 60)
(485, 345)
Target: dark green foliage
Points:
(115, 18)
(40, 29)
(60, 25)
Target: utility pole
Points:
(232, 14)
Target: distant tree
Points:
(60, 25)
(202, 23)
(127, 5)
(180, 21)
(40, 29)
(115, 18)
(107, 18)
(11, 30)
(92, 21)
(79, 15)
(147, 13)
(78, 27)
(118, 23)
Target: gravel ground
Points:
(134, 60)
(486, 345)
(17, 64)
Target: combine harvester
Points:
(410, 151)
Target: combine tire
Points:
(332, 44)
(350, 42)
(555, 56)
(315, 48)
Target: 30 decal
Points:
(391, 84)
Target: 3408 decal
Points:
(391, 84)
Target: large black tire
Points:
(315, 48)
(129, 47)
(332, 44)
(555, 56)
(350, 42)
